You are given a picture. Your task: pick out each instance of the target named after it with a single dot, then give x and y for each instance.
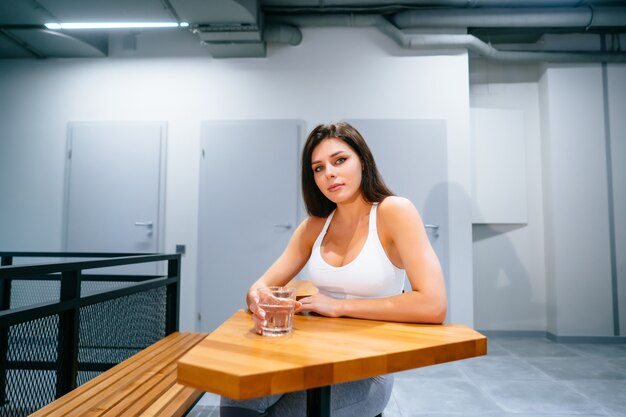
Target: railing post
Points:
(67, 348)
(172, 297)
(5, 288)
(5, 304)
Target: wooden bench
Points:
(143, 385)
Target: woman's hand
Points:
(258, 314)
(320, 304)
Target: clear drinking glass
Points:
(278, 304)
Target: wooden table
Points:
(235, 362)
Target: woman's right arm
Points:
(292, 260)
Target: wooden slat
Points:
(169, 404)
(142, 394)
(109, 377)
(162, 401)
(187, 397)
(132, 386)
(111, 389)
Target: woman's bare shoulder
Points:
(398, 213)
(314, 222)
(311, 227)
(394, 206)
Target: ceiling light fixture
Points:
(115, 25)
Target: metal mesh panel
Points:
(28, 389)
(113, 331)
(34, 340)
(109, 333)
(92, 287)
(84, 376)
(26, 293)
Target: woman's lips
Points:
(334, 187)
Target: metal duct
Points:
(364, 4)
(414, 41)
(472, 43)
(56, 44)
(281, 33)
(580, 17)
(227, 28)
(352, 20)
(217, 12)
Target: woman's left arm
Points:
(406, 236)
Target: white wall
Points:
(509, 264)
(576, 214)
(554, 273)
(334, 74)
(617, 125)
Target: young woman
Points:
(359, 241)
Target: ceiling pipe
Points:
(443, 41)
(282, 33)
(365, 4)
(472, 43)
(579, 18)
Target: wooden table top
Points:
(235, 362)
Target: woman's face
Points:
(337, 170)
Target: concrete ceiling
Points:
(243, 28)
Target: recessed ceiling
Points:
(232, 28)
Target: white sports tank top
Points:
(370, 275)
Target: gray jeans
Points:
(363, 398)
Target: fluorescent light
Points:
(115, 25)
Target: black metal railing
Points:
(60, 327)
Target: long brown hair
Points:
(373, 187)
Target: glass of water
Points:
(278, 304)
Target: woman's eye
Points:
(317, 168)
(340, 161)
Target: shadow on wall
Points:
(504, 298)
(503, 294)
(435, 213)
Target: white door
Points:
(114, 189)
(248, 205)
(411, 156)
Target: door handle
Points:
(144, 224)
(434, 228)
(148, 225)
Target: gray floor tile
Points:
(520, 377)
(535, 347)
(500, 367)
(209, 399)
(495, 349)
(204, 411)
(392, 409)
(441, 396)
(599, 350)
(610, 394)
(442, 371)
(552, 415)
(578, 368)
(483, 414)
(619, 364)
(392, 413)
(543, 397)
